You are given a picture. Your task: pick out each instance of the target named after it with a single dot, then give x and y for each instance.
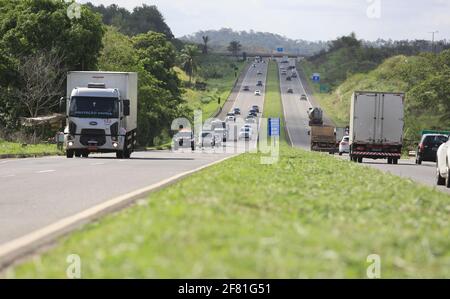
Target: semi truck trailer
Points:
(101, 113)
(376, 126)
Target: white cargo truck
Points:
(101, 113)
(376, 126)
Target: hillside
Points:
(255, 41)
(424, 78)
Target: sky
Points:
(306, 19)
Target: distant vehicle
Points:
(254, 65)
(315, 116)
(207, 139)
(237, 111)
(253, 113)
(222, 133)
(323, 139)
(294, 75)
(231, 117)
(259, 73)
(259, 83)
(288, 78)
(291, 67)
(184, 139)
(376, 126)
(250, 120)
(303, 97)
(284, 73)
(344, 145)
(257, 92)
(245, 133)
(290, 90)
(428, 147)
(256, 108)
(340, 133)
(246, 88)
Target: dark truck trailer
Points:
(323, 139)
(376, 126)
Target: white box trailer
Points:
(376, 126)
(101, 113)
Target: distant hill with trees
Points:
(252, 41)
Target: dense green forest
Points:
(350, 66)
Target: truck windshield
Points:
(94, 107)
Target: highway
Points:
(297, 120)
(39, 192)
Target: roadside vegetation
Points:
(307, 216)
(13, 149)
(425, 78)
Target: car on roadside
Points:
(344, 145)
(246, 88)
(237, 111)
(290, 90)
(443, 165)
(222, 134)
(303, 97)
(257, 92)
(428, 147)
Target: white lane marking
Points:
(46, 171)
(99, 163)
(8, 176)
(18, 247)
(4, 162)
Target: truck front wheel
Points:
(69, 154)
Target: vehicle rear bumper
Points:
(376, 155)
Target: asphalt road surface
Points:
(297, 126)
(38, 192)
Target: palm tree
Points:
(234, 48)
(205, 44)
(189, 60)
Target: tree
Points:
(234, 48)
(27, 27)
(42, 77)
(205, 39)
(189, 60)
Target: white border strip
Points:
(31, 242)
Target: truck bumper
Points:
(109, 146)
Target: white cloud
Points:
(305, 19)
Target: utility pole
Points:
(433, 47)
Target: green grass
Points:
(272, 105)
(12, 148)
(310, 215)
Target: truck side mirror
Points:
(62, 105)
(126, 107)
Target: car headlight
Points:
(115, 144)
(70, 144)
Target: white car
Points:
(344, 145)
(207, 139)
(442, 164)
(257, 92)
(250, 120)
(246, 133)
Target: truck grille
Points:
(93, 136)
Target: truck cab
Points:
(100, 119)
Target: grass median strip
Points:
(309, 215)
